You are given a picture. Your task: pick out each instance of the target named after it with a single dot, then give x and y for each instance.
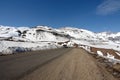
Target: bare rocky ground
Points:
(75, 64)
(113, 69)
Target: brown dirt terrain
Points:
(105, 51)
(75, 64)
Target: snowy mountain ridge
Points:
(44, 33)
(110, 36)
(43, 37)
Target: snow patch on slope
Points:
(79, 33)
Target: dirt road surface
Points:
(13, 67)
(59, 64)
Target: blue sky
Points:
(94, 15)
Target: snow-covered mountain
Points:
(79, 33)
(43, 36)
(44, 33)
(39, 33)
(115, 37)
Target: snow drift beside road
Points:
(10, 47)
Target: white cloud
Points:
(108, 7)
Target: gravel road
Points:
(57, 64)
